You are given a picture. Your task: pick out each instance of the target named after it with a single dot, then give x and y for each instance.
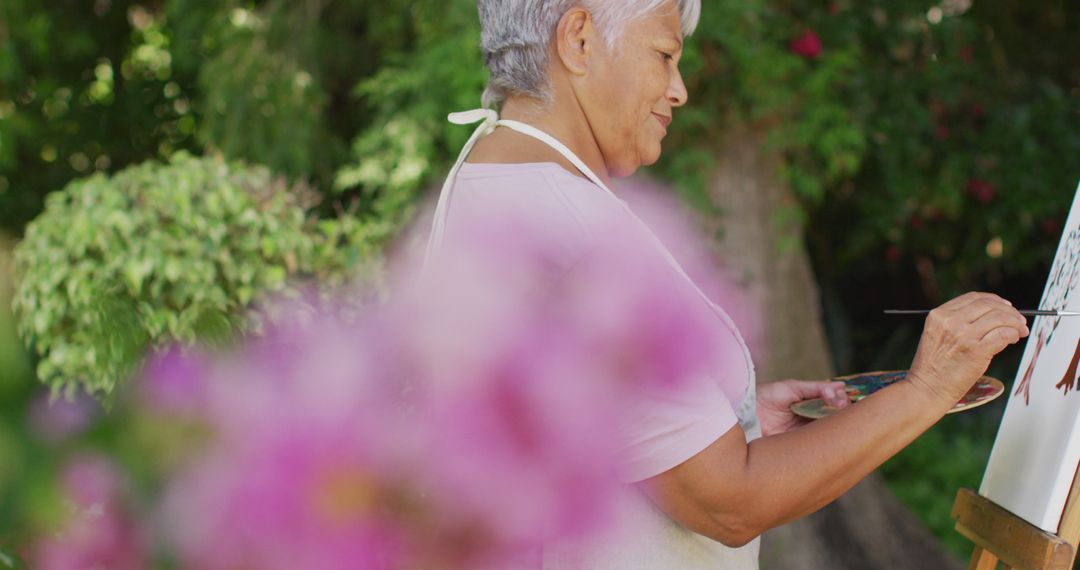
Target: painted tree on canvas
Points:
(1064, 278)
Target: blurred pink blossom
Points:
(463, 423)
(91, 480)
(298, 496)
(529, 453)
(58, 419)
(97, 532)
(173, 381)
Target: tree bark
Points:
(867, 528)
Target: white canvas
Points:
(1037, 450)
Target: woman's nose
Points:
(677, 94)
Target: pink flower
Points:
(173, 381)
(463, 423)
(97, 533)
(643, 320)
(807, 45)
(102, 539)
(61, 419)
(298, 496)
(527, 454)
(91, 480)
(311, 451)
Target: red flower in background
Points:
(807, 45)
(982, 190)
(1050, 226)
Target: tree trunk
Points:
(867, 528)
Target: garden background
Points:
(846, 157)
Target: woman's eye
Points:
(667, 56)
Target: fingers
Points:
(1001, 334)
(964, 301)
(997, 328)
(833, 393)
(980, 304)
(977, 317)
(1002, 337)
(995, 318)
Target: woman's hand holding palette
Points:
(859, 386)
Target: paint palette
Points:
(859, 386)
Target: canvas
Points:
(1037, 449)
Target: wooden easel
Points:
(1001, 536)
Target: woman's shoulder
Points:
(527, 175)
(539, 186)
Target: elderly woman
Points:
(586, 90)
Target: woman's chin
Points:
(650, 156)
(626, 168)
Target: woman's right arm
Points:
(733, 491)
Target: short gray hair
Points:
(514, 37)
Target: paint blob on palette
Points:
(859, 386)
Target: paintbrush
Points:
(1026, 312)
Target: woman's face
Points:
(633, 90)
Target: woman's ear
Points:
(575, 39)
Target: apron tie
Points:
(489, 116)
(490, 120)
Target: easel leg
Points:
(982, 559)
(1009, 541)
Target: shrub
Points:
(160, 253)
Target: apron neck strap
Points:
(559, 147)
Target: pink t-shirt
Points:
(666, 428)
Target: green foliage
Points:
(927, 474)
(256, 90)
(14, 377)
(160, 253)
(104, 97)
(13, 365)
(409, 141)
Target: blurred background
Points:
(163, 164)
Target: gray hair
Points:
(514, 37)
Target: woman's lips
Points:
(664, 120)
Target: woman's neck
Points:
(565, 122)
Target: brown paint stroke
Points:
(1068, 381)
(1025, 382)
